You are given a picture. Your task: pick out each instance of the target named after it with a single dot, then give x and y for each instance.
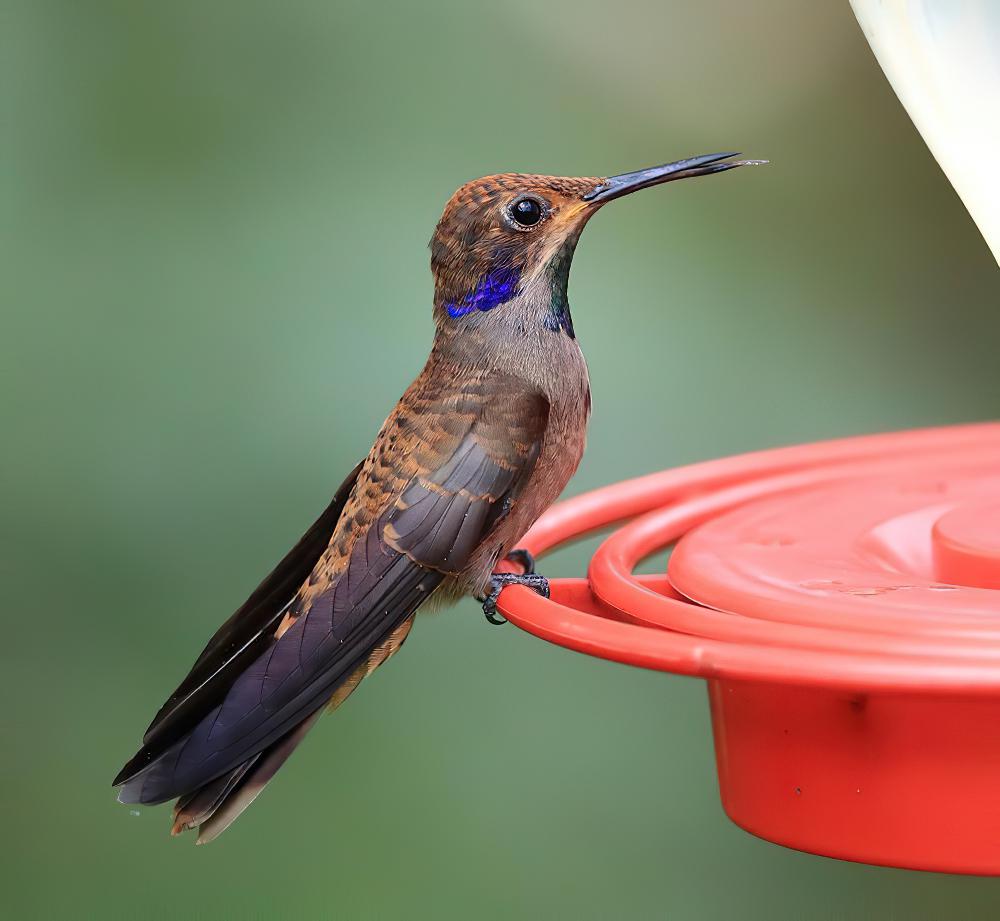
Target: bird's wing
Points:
(448, 464)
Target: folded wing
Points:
(445, 469)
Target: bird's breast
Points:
(562, 448)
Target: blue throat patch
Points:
(494, 289)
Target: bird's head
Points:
(502, 250)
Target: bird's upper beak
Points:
(617, 186)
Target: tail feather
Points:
(251, 782)
(198, 806)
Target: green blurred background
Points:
(215, 286)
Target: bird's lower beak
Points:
(617, 186)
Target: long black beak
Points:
(617, 186)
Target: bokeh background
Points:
(215, 286)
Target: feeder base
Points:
(865, 777)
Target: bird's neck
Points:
(530, 338)
(508, 295)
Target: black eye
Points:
(526, 211)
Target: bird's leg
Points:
(500, 580)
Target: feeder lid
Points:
(914, 552)
(966, 544)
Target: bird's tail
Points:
(213, 807)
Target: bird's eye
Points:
(527, 211)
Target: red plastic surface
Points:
(842, 600)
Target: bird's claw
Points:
(500, 580)
(524, 558)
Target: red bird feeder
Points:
(842, 600)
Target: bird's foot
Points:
(500, 580)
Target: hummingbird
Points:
(481, 443)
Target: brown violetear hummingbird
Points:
(481, 443)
